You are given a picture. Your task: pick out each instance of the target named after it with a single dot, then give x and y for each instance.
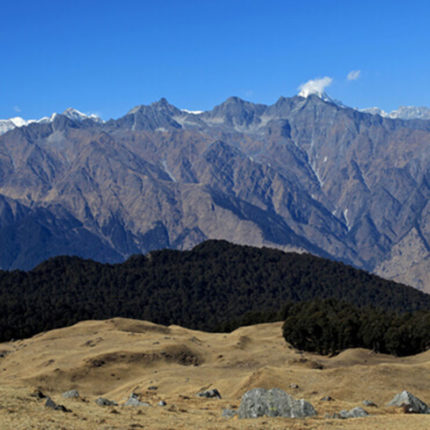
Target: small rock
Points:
(327, 399)
(369, 403)
(38, 394)
(153, 387)
(335, 415)
(51, 404)
(210, 394)
(133, 400)
(353, 413)
(162, 403)
(295, 386)
(101, 401)
(413, 404)
(72, 394)
(228, 413)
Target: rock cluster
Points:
(260, 402)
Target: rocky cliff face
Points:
(303, 174)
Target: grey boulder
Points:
(411, 403)
(101, 401)
(275, 402)
(133, 400)
(72, 394)
(353, 413)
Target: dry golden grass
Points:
(116, 357)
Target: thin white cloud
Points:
(315, 86)
(17, 109)
(353, 75)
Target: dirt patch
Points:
(92, 342)
(243, 342)
(137, 326)
(309, 364)
(175, 354)
(182, 355)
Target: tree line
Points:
(216, 286)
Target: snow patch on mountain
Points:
(73, 114)
(192, 112)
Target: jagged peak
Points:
(237, 101)
(160, 105)
(234, 99)
(162, 102)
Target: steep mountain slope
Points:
(301, 174)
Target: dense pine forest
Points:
(215, 286)
(331, 326)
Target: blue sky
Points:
(107, 56)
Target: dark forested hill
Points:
(214, 286)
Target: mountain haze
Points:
(303, 174)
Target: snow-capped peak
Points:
(403, 112)
(411, 112)
(76, 115)
(9, 124)
(374, 111)
(18, 121)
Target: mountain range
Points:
(403, 112)
(73, 114)
(305, 174)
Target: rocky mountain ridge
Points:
(301, 174)
(73, 114)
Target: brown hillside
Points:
(116, 357)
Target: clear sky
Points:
(106, 57)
